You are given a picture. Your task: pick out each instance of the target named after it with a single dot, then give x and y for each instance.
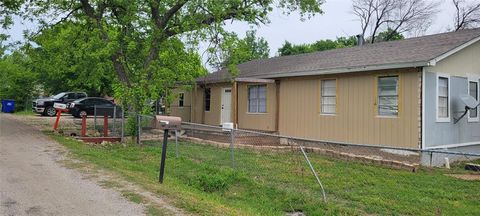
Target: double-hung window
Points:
(207, 99)
(443, 99)
(387, 96)
(473, 91)
(257, 99)
(181, 99)
(328, 96)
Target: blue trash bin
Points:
(8, 106)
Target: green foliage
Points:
(147, 45)
(321, 45)
(131, 127)
(389, 35)
(233, 51)
(18, 81)
(8, 8)
(69, 58)
(341, 42)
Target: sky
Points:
(336, 21)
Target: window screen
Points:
(473, 89)
(443, 97)
(181, 99)
(388, 96)
(329, 97)
(257, 99)
(207, 99)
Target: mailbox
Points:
(168, 122)
(60, 106)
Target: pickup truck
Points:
(44, 106)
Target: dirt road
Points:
(32, 182)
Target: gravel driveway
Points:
(32, 182)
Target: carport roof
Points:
(412, 52)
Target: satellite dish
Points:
(469, 101)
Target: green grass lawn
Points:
(202, 181)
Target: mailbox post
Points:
(166, 123)
(60, 108)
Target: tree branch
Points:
(116, 56)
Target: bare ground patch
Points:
(468, 177)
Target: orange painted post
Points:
(105, 126)
(59, 113)
(84, 125)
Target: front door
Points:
(226, 105)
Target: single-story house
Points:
(401, 93)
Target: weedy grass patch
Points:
(204, 181)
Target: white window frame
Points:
(257, 98)
(377, 106)
(472, 79)
(321, 97)
(448, 118)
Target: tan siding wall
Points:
(464, 63)
(185, 111)
(212, 117)
(257, 121)
(356, 120)
(196, 97)
(198, 104)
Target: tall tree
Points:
(467, 14)
(68, 58)
(321, 45)
(18, 81)
(233, 50)
(142, 38)
(402, 16)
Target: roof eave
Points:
(347, 70)
(434, 61)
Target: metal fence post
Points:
(314, 173)
(94, 119)
(123, 125)
(114, 117)
(431, 158)
(139, 129)
(232, 150)
(176, 143)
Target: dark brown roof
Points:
(412, 52)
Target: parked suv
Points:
(44, 106)
(87, 106)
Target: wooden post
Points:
(59, 113)
(105, 125)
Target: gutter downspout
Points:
(422, 135)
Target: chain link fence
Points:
(289, 164)
(396, 157)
